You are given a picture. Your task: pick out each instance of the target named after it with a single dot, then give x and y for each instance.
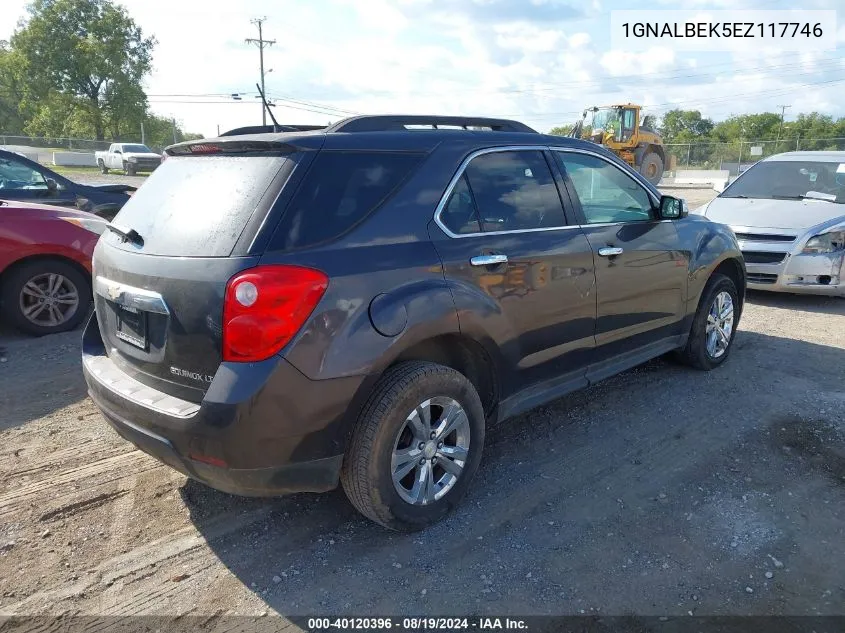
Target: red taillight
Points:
(265, 307)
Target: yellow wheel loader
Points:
(619, 128)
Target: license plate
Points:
(132, 326)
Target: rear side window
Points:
(198, 206)
(340, 190)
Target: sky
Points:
(539, 61)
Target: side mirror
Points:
(52, 185)
(117, 151)
(672, 208)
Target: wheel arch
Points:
(28, 259)
(734, 269)
(466, 356)
(454, 350)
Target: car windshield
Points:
(791, 180)
(138, 149)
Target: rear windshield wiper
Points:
(127, 235)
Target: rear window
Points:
(340, 190)
(198, 206)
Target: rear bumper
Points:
(262, 429)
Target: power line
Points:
(230, 102)
(663, 107)
(638, 78)
(278, 97)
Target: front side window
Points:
(17, 175)
(606, 193)
(514, 190)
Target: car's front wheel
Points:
(45, 296)
(714, 326)
(416, 447)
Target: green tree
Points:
(12, 90)
(561, 130)
(684, 126)
(763, 126)
(158, 132)
(90, 50)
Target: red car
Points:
(45, 265)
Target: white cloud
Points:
(624, 63)
(579, 40)
(538, 61)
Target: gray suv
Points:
(280, 313)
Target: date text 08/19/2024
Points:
(417, 624)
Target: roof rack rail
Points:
(395, 122)
(264, 129)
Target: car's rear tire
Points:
(706, 347)
(45, 296)
(388, 440)
(102, 165)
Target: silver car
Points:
(788, 214)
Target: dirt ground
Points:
(662, 491)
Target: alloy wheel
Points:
(49, 299)
(720, 325)
(431, 450)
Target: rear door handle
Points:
(488, 260)
(610, 251)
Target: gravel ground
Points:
(662, 491)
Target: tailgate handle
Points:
(129, 296)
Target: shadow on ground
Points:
(39, 375)
(661, 491)
(803, 303)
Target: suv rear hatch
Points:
(161, 271)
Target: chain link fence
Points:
(61, 143)
(737, 156)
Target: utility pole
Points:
(261, 42)
(173, 123)
(780, 129)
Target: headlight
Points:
(132, 159)
(94, 225)
(829, 242)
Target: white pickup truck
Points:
(128, 157)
